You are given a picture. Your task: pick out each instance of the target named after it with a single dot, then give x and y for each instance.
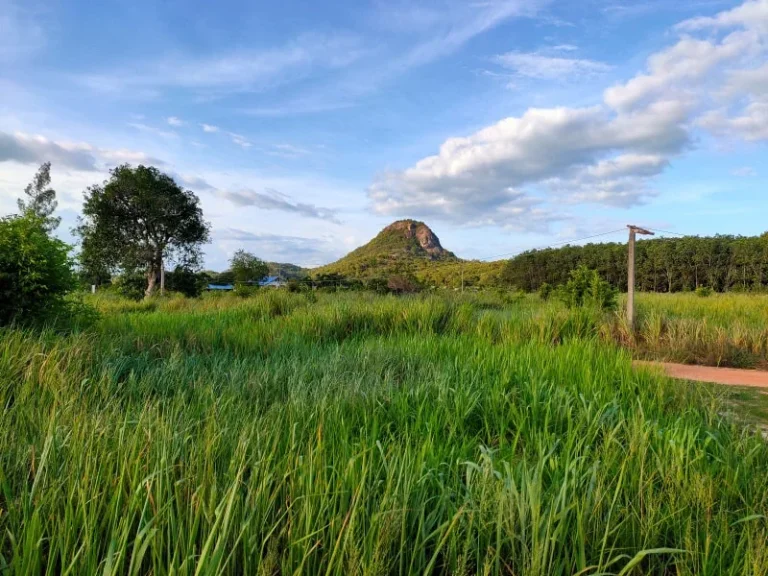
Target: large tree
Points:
(247, 268)
(139, 219)
(41, 199)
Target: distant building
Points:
(271, 282)
(266, 282)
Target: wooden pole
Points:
(633, 230)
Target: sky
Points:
(306, 127)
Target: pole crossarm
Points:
(639, 230)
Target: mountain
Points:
(403, 246)
(287, 271)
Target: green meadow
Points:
(361, 434)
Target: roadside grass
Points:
(365, 435)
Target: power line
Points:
(668, 232)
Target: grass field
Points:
(359, 434)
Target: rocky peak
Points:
(427, 239)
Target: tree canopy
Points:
(246, 267)
(41, 199)
(661, 265)
(139, 219)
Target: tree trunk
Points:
(151, 281)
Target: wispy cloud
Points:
(240, 140)
(238, 71)
(209, 128)
(275, 247)
(271, 199)
(175, 121)
(543, 66)
(152, 130)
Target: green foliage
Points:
(246, 267)
(703, 291)
(130, 285)
(585, 288)
(397, 249)
(139, 219)
(35, 271)
(41, 199)
(545, 290)
(661, 265)
(404, 284)
(186, 281)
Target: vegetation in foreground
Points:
(278, 434)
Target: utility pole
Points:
(633, 230)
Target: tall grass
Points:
(372, 435)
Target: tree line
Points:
(722, 263)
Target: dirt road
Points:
(727, 376)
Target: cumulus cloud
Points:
(175, 121)
(209, 128)
(513, 172)
(271, 199)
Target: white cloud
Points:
(540, 66)
(209, 128)
(175, 121)
(35, 149)
(519, 168)
(752, 15)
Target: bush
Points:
(186, 281)
(403, 284)
(130, 285)
(703, 291)
(35, 271)
(586, 288)
(545, 291)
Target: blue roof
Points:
(220, 287)
(268, 280)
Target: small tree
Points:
(586, 288)
(139, 218)
(246, 267)
(41, 199)
(35, 270)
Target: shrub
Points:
(545, 291)
(403, 284)
(186, 281)
(130, 285)
(35, 271)
(586, 288)
(703, 291)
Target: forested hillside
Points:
(662, 264)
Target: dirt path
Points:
(727, 376)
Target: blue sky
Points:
(305, 127)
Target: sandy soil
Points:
(727, 376)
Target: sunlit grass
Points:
(365, 435)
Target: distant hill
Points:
(287, 271)
(403, 246)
